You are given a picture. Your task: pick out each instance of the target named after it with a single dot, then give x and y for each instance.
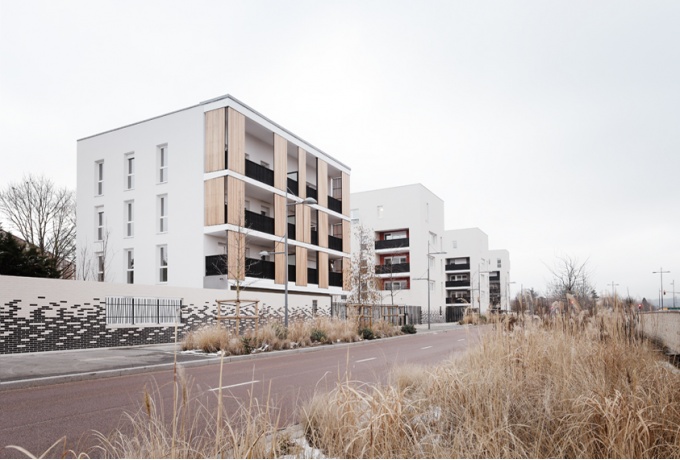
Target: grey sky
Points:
(552, 126)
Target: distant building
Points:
(189, 197)
(410, 238)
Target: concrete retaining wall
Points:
(663, 326)
(38, 314)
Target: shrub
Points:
(318, 335)
(366, 333)
(408, 329)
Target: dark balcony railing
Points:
(457, 300)
(291, 231)
(292, 186)
(259, 173)
(315, 237)
(259, 222)
(312, 276)
(257, 268)
(459, 283)
(390, 244)
(334, 204)
(335, 279)
(311, 192)
(450, 267)
(216, 265)
(292, 273)
(392, 268)
(334, 243)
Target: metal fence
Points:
(143, 310)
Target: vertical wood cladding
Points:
(346, 243)
(322, 269)
(345, 194)
(303, 223)
(322, 182)
(236, 196)
(214, 140)
(236, 255)
(302, 173)
(301, 266)
(280, 263)
(280, 162)
(322, 229)
(236, 133)
(214, 201)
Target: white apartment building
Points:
(193, 198)
(408, 223)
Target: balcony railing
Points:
(457, 300)
(335, 279)
(259, 173)
(257, 268)
(392, 268)
(259, 222)
(216, 265)
(458, 283)
(334, 204)
(312, 276)
(293, 186)
(291, 231)
(391, 244)
(292, 273)
(311, 192)
(315, 237)
(453, 267)
(334, 243)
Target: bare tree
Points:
(44, 216)
(94, 265)
(363, 282)
(571, 276)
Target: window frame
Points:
(162, 263)
(163, 164)
(129, 218)
(130, 266)
(129, 171)
(163, 213)
(99, 178)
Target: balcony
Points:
(459, 283)
(315, 237)
(391, 244)
(457, 300)
(216, 265)
(335, 279)
(389, 269)
(257, 268)
(291, 231)
(455, 267)
(292, 185)
(292, 273)
(334, 204)
(312, 276)
(259, 173)
(334, 243)
(311, 192)
(259, 222)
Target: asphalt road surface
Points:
(34, 418)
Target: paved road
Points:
(36, 417)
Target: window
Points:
(130, 266)
(395, 235)
(163, 163)
(454, 243)
(129, 218)
(265, 164)
(381, 211)
(162, 213)
(395, 285)
(395, 260)
(246, 204)
(498, 262)
(99, 174)
(337, 230)
(264, 210)
(336, 188)
(129, 171)
(99, 216)
(354, 214)
(100, 266)
(163, 264)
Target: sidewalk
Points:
(23, 370)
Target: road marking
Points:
(364, 360)
(425, 348)
(235, 385)
(460, 340)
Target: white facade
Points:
(148, 211)
(460, 271)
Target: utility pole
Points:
(661, 272)
(614, 293)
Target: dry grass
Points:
(567, 388)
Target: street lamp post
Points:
(285, 253)
(429, 254)
(661, 272)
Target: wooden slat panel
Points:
(346, 277)
(345, 194)
(322, 229)
(280, 217)
(236, 255)
(302, 173)
(322, 183)
(301, 266)
(322, 269)
(214, 201)
(280, 162)
(346, 243)
(236, 195)
(307, 225)
(236, 132)
(214, 140)
(280, 264)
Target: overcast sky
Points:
(552, 126)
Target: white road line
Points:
(460, 340)
(425, 348)
(235, 385)
(364, 360)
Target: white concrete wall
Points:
(663, 326)
(183, 133)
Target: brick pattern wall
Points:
(47, 315)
